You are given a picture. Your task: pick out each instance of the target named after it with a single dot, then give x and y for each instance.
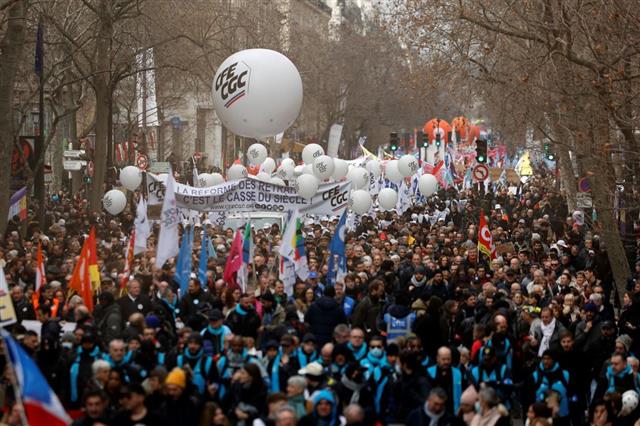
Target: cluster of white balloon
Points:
(319, 167)
(114, 201)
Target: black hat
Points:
(267, 296)
(420, 270)
(271, 344)
(195, 337)
(215, 315)
(393, 349)
(309, 337)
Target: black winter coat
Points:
(323, 316)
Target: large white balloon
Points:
(298, 170)
(268, 165)
(391, 171)
(359, 176)
(408, 165)
(428, 185)
(216, 179)
(263, 176)
(340, 168)
(131, 177)
(373, 167)
(257, 93)
(205, 180)
(236, 172)
(114, 201)
(307, 169)
(306, 185)
(360, 201)
(323, 167)
(277, 181)
(311, 152)
(388, 198)
(257, 153)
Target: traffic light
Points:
(438, 139)
(422, 140)
(393, 141)
(548, 154)
(481, 151)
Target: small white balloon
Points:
(131, 177)
(298, 170)
(205, 180)
(359, 176)
(277, 181)
(257, 153)
(360, 201)
(236, 172)
(285, 171)
(373, 167)
(288, 162)
(268, 165)
(265, 177)
(323, 167)
(114, 201)
(216, 179)
(391, 171)
(307, 169)
(306, 185)
(408, 165)
(340, 168)
(428, 185)
(388, 198)
(311, 152)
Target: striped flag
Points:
(128, 260)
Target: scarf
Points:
(434, 418)
(489, 419)
(240, 311)
(354, 387)
(361, 353)
(417, 283)
(547, 332)
(197, 355)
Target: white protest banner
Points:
(7, 312)
(251, 194)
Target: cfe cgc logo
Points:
(233, 83)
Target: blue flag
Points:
(204, 259)
(212, 250)
(337, 258)
(183, 265)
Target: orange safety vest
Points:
(35, 301)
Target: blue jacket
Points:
(554, 379)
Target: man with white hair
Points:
(100, 369)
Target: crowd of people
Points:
(423, 329)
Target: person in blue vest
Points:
(347, 303)
(618, 377)
(276, 363)
(398, 320)
(233, 360)
(307, 352)
(500, 342)
(548, 378)
(213, 336)
(357, 345)
(80, 372)
(375, 356)
(203, 371)
(119, 359)
(383, 381)
(493, 374)
(444, 375)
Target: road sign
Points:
(480, 172)
(73, 153)
(73, 165)
(142, 161)
(90, 168)
(159, 167)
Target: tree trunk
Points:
(102, 89)
(11, 47)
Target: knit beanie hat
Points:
(177, 377)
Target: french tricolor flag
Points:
(41, 405)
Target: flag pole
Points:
(16, 385)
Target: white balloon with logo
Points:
(359, 177)
(257, 153)
(236, 172)
(205, 180)
(373, 167)
(257, 93)
(408, 165)
(131, 177)
(285, 171)
(388, 198)
(360, 201)
(340, 168)
(428, 185)
(306, 185)
(323, 167)
(311, 152)
(114, 201)
(391, 171)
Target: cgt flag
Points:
(234, 260)
(485, 239)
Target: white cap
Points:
(312, 369)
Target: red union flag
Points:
(485, 239)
